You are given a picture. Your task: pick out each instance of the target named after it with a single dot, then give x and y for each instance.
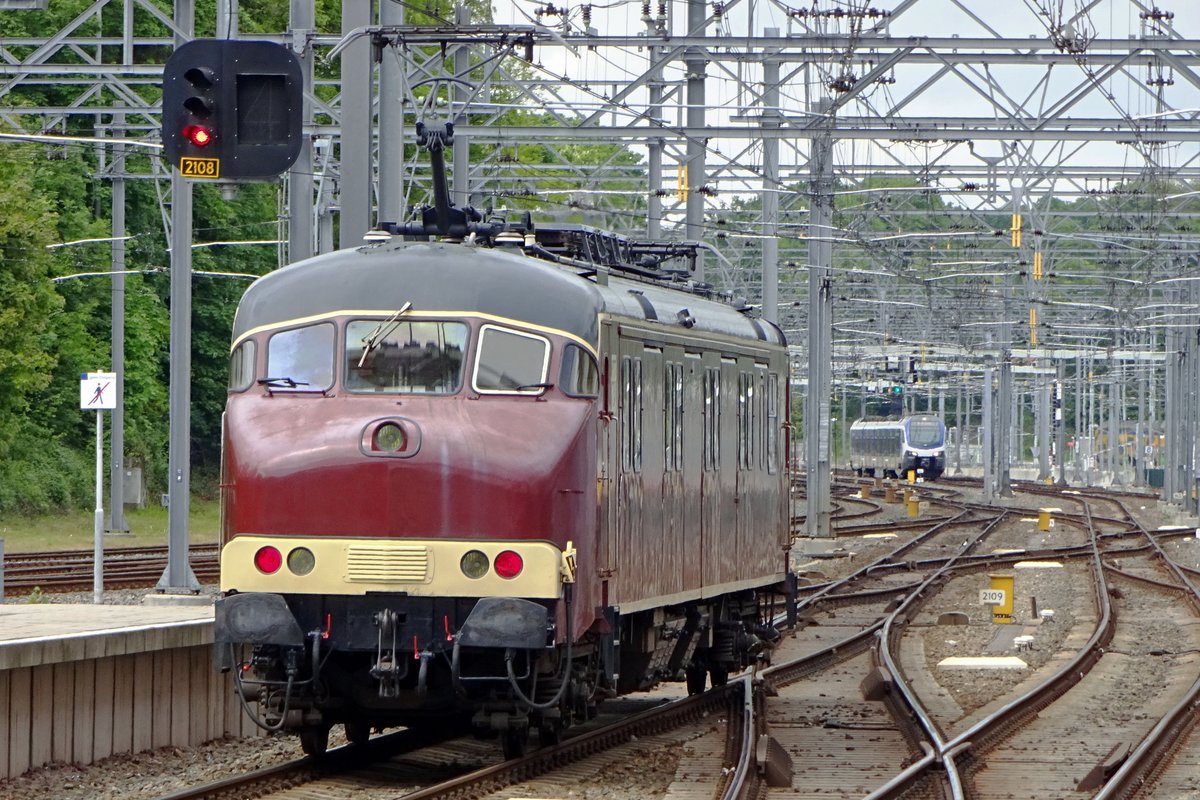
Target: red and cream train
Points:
(497, 478)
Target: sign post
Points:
(97, 392)
(999, 595)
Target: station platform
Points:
(81, 682)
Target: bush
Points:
(39, 475)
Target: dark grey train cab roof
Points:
(448, 276)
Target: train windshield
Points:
(511, 361)
(301, 358)
(406, 357)
(925, 433)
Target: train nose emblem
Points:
(390, 437)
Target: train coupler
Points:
(389, 668)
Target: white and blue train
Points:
(893, 447)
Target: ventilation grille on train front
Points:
(388, 563)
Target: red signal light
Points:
(198, 135)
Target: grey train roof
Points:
(456, 277)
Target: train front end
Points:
(408, 491)
(924, 446)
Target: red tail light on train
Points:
(268, 560)
(509, 564)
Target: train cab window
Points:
(241, 365)
(925, 433)
(405, 356)
(580, 376)
(510, 362)
(302, 357)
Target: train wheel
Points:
(314, 740)
(718, 676)
(357, 733)
(551, 732)
(514, 741)
(697, 675)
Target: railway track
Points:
(57, 571)
(856, 704)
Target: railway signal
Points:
(232, 109)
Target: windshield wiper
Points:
(382, 331)
(276, 383)
(525, 386)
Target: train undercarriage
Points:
(306, 663)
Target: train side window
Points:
(746, 426)
(712, 418)
(241, 366)
(580, 376)
(510, 362)
(302, 355)
(772, 399)
(673, 417)
(408, 357)
(631, 414)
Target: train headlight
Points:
(474, 564)
(301, 561)
(509, 564)
(389, 438)
(268, 560)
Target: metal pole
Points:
(178, 574)
(300, 176)
(391, 122)
(696, 164)
(461, 189)
(1079, 419)
(770, 196)
(820, 332)
(98, 521)
(958, 425)
(354, 189)
(988, 457)
(1044, 414)
(117, 522)
(1060, 432)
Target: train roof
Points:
(501, 282)
(890, 422)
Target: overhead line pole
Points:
(820, 329)
(178, 576)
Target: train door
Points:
(655, 555)
(608, 454)
(691, 477)
(672, 487)
(745, 494)
(630, 417)
(710, 479)
(725, 549)
(778, 429)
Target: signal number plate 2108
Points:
(203, 168)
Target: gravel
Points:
(158, 772)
